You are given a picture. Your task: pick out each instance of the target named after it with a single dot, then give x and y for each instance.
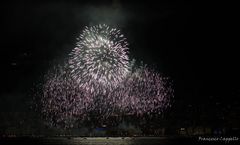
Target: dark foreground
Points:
(116, 141)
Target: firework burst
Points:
(149, 93)
(100, 57)
(144, 92)
(62, 102)
(99, 79)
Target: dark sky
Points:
(189, 42)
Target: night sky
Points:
(191, 43)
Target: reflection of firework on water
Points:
(100, 57)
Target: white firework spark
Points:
(100, 57)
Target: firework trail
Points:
(100, 58)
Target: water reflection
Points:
(91, 141)
(102, 141)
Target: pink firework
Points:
(63, 103)
(144, 92)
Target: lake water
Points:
(106, 141)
